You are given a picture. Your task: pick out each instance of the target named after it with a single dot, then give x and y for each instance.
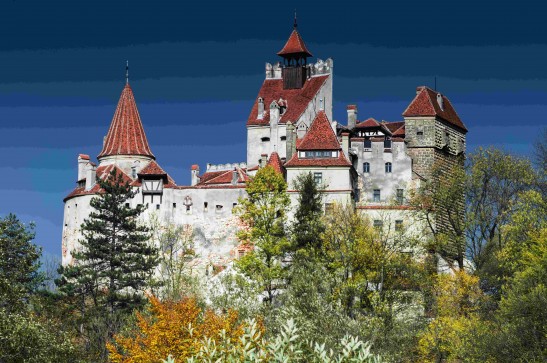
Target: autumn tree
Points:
(264, 213)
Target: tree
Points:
(176, 247)
(264, 214)
(19, 263)
(308, 220)
(113, 265)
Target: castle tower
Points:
(295, 58)
(293, 91)
(436, 139)
(125, 144)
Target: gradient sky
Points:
(195, 69)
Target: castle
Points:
(370, 163)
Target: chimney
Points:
(352, 116)
(263, 160)
(274, 113)
(291, 141)
(345, 143)
(90, 177)
(260, 108)
(269, 71)
(235, 176)
(194, 175)
(83, 160)
(440, 101)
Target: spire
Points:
(127, 72)
(126, 135)
(295, 46)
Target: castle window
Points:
(283, 138)
(400, 196)
(366, 167)
(188, 208)
(419, 134)
(205, 204)
(133, 172)
(126, 205)
(387, 144)
(367, 144)
(378, 224)
(174, 205)
(318, 178)
(318, 154)
(388, 167)
(157, 206)
(399, 225)
(218, 208)
(265, 139)
(376, 195)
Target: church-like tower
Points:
(294, 91)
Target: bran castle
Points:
(370, 163)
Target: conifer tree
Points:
(308, 224)
(115, 260)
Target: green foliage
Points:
(19, 263)
(264, 214)
(308, 219)
(288, 346)
(25, 339)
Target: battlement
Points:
(227, 166)
(318, 68)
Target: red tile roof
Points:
(83, 156)
(195, 167)
(297, 99)
(223, 177)
(320, 136)
(295, 46)
(126, 135)
(393, 126)
(102, 173)
(154, 169)
(425, 104)
(276, 163)
(298, 162)
(351, 107)
(370, 122)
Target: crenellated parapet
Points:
(227, 166)
(318, 68)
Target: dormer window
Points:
(134, 172)
(265, 139)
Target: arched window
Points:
(366, 168)
(388, 167)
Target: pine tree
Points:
(308, 224)
(116, 259)
(19, 262)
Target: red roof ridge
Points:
(320, 136)
(126, 134)
(369, 122)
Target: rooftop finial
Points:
(126, 72)
(295, 24)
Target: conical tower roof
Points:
(295, 46)
(126, 135)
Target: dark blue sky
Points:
(195, 68)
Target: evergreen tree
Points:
(308, 219)
(19, 262)
(110, 270)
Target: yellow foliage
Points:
(448, 336)
(175, 328)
